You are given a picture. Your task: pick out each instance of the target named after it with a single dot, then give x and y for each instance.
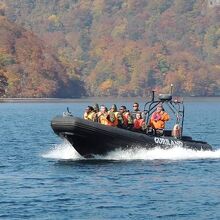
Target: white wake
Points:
(63, 151)
(67, 152)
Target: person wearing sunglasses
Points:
(124, 118)
(137, 110)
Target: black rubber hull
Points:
(91, 138)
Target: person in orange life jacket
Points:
(136, 110)
(89, 114)
(113, 109)
(158, 118)
(113, 115)
(124, 118)
(104, 117)
(139, 123)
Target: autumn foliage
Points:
(28, 68)
(111, 48)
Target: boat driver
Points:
(158, 119)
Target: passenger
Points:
(89, 114)
(114, 109)
(96, 108)
(113, 115)
(158, 119)
(102, 115)
(139, 123)
(136, 110)
(105, 118)
(124, 118)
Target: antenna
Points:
(171, 89)
(153, 92)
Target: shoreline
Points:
(94, 99)
(36, 100)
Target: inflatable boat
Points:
(91, 138)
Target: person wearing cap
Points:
(158, 118)
(89, 114)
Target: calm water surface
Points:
(42, 177)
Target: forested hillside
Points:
(117, 47)
(28, 68)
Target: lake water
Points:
(42, 176)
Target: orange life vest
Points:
(125, 118)
(158, 120)
(115, 122)
(89, 116)
(102, 118)
(138, 123)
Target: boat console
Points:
(177, 109)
